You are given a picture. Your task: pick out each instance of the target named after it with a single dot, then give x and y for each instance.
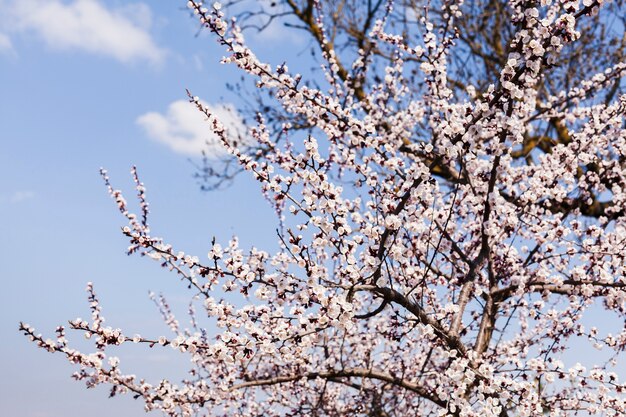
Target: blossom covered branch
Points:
(438, 253)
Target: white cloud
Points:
(197, 61)
(87, 25)
(185, 130)
(20, 196)
(5, 44)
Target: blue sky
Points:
(85, 84)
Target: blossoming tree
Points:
(438, 251)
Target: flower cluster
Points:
(437, 255)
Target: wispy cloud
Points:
(19, 196)
(184, 129)
(88, 25)
(6, 46)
